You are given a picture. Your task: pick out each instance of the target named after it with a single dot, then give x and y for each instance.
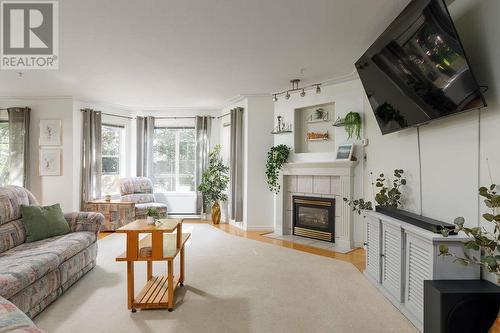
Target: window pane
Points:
(111, 151)
(174, 159)
(4, 153)
(110, 165)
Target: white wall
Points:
(346, 96)
(454, 151)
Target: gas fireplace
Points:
(314, 217)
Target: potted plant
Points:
(276, 157)
(214, 182)
(152, 214)
(352, 124)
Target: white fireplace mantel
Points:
(344, 170)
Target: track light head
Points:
(302, 93)
(275, 98)
(318, 89)
(287, 96)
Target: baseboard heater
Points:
(417, 220)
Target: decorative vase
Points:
(216, 213)
(151, 220)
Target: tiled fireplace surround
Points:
(326, 180)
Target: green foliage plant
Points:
(276, 157)
(352, 124)
(152, 212)
(386, 197)
(215, 178)
(485, 243)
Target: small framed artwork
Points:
(344, 152)
(50, 132)
(50, 162)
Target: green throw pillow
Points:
(43, 222)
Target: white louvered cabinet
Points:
(373, 248)
(392, 260)
(408, 255)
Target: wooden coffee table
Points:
(160, 244)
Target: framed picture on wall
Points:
(50, 162)
(50, 132)
(344, 152)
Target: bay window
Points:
(174, 150)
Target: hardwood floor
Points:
(355, 257)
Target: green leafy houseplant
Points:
(214, 179)
(482, 240)
(386, 197)
(276, 157)
(152, 212)
(352, 124)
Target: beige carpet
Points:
(232, 285)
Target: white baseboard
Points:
(260, 228)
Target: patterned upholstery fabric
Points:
(135, 185)
(140, 209)
(28, 262)
(11, 199)
(13, 320)
(140, 191)
(33, 275)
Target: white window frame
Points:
(125, 156)
(177, 160)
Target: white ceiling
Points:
(198, 53)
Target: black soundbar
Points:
(417, 220)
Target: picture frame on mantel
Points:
(49, 163)
(50, 132)
(344, 152)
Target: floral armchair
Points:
(140, 191)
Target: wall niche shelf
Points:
(281, 132)
(320, 139)
(305, 122)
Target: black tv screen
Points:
(417, 71)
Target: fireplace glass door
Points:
(314, 217)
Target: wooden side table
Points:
(117, 213)
(161, 244)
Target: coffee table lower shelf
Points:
(154, 295)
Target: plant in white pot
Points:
(214, 182)
(151, 215)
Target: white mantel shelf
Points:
(344, 171)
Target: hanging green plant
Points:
(352, 124)
(276, 157)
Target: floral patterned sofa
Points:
(33, 275)
(14, 320)
(140, 191)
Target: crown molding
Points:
(342, 78)
(41, 98)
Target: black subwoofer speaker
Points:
(460, 306)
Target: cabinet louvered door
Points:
(418, 268)
(373, 248)
(391, 257)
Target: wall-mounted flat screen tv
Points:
(417, 71)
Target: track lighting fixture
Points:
(295, 87)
